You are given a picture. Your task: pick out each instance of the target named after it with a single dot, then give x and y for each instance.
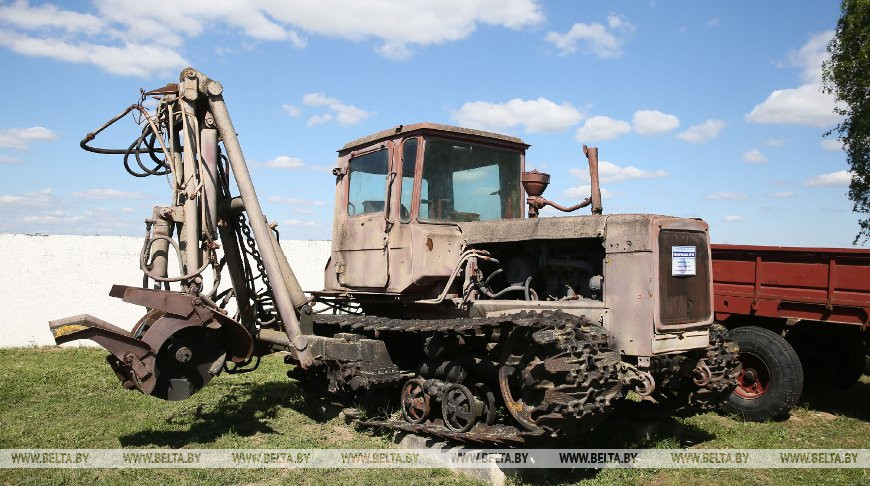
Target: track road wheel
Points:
(772, 378)
(415, 401)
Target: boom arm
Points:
(187, 334)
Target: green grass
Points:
(69, 398)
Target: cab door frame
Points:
(360, 244)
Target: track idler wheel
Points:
(173, 351)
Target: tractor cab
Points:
(401, 193)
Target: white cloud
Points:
(342, 113)
(608, 172)
(396, 51)
(540, 115)
(52, 219)
(604, 41)
(726, 196)
(733, 219)
(129, 59)
(106, 194)
(585, 190)
(318, 120)
(318, 99)
(832, 145)
(702, 132)
(754, 156)
(840, 178)
(143, 38)
(774, 142)
(806, 104)
(650, 122)
(35, 199)
(291, 110)
(602, 128)
(810, 56)
(5, 159)
(782, 195)
(284, 162)
(20, 14)
(20, 138)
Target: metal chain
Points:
(261, 269)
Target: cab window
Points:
(469, 182)
(409, 163)
(367, 183)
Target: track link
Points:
(558, 375)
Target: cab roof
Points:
(449, 130)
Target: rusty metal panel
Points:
(702, 283)
(684, 299)
(504, 231)
(449, 130)
(670, 343)
(360, 242)
(822, 284)
(435, 250)
(594, 310)
(629, 278)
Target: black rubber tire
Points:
(786, 375)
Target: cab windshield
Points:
(469, 182)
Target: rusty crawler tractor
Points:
(482, 324)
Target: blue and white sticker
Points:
(682, 261)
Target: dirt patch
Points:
(340, 434)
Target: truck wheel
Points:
(772, 378)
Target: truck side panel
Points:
(820, 284)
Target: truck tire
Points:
(772, 378)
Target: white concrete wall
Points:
(49, 277)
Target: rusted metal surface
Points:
(595, 197)
(450, 131)
(819, 284)
(175, 332)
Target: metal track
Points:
(567, 374)
(677, 395)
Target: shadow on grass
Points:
(245, 412)
(621, 431)
(823, 396)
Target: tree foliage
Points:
(847, 76)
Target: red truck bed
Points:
(820, 284)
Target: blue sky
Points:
(700, 109)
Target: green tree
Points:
(847, 76)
